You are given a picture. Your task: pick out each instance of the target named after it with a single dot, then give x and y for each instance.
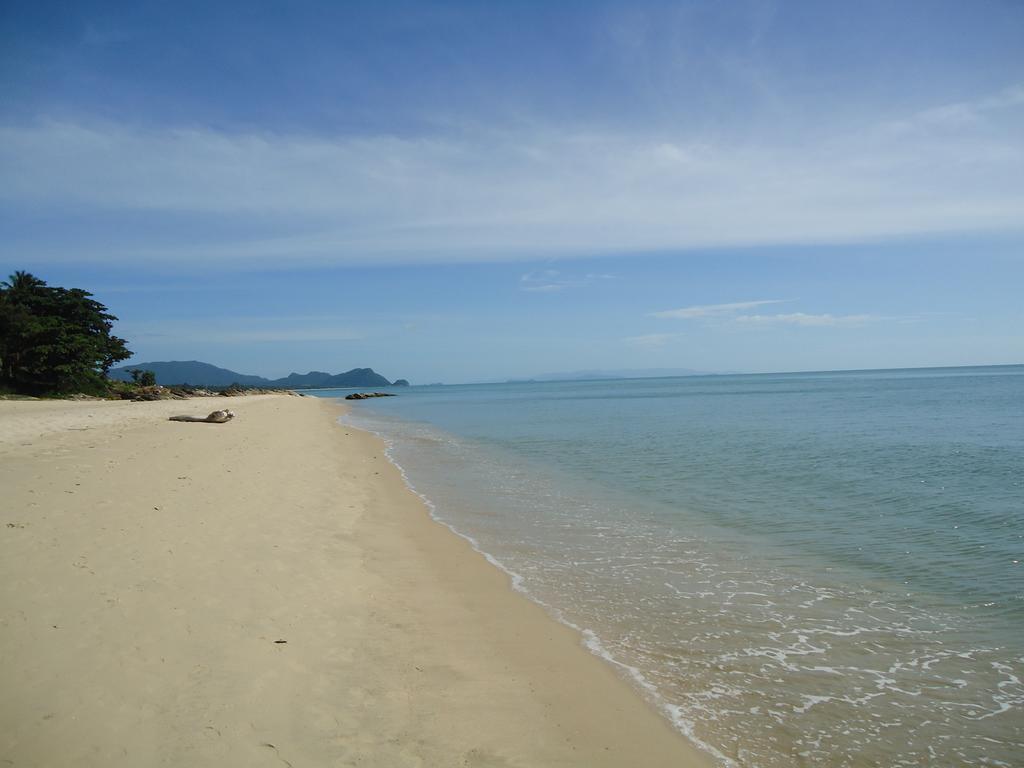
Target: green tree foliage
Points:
(142, 377)
(54, 340)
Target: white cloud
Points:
(712, 310)
(731, 313)
(551, 280)
(523, 193)
(961, 114)
(543, 281)
(651, 340)
(799, 318)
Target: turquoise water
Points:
(797, 569)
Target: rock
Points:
(366, 395)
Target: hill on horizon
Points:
(199, 374)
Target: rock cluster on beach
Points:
(367, 395)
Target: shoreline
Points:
(587, 638)
(148, 571)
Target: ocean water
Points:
(798, 570)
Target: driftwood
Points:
(217, 417)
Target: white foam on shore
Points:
(588, 638)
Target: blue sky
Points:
(464, 191)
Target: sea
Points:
(802, 569)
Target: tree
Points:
(142, 377)
(54, 340)
(22, 283)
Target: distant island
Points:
(198, 374)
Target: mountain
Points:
(311, 379)
(189, 372)
(205, 375)
(357, 377)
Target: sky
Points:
(466, 191)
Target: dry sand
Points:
(268, 592)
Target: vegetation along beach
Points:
(435, 383)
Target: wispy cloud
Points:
(961, 114)
(551, 280)
(478, 193)
(712, 310)
(651, 340)
(733, 313)
(802, 319)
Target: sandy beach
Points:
(268, 592)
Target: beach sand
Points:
(268, 592)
